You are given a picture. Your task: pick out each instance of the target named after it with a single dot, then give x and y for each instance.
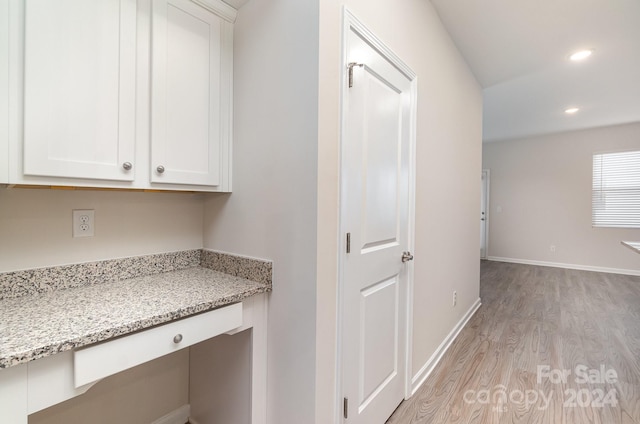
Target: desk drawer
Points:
(104, 359)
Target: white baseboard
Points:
(568, 266)
(427, 368)
(177, 416)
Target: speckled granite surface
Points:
(44, 324)
(42, 280)
(49, 310)
(240, 266)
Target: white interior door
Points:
(376, 202)
(484, 217)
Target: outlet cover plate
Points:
(83, 222)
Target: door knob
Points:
(407, 256)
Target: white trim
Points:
(568, 266)
(341, 240)
(487, 210)
(177, 416)
(411, 227)
(421, 376)
(351, 22)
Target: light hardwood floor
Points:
(536, 323)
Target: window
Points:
(616, 190)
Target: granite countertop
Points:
(43, 324)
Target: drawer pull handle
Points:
(177, 338)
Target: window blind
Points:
(616, 190)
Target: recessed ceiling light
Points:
(582, 54)
(571, 110)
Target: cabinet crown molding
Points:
(220, 8)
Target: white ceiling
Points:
(519, 51)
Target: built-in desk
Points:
(57, 345)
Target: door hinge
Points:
(348, 242)
(350, 66)
(345, 408)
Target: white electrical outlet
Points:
(83, 222)
(455, 297)
(552, 248)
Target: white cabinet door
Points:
(190, 95)
(4, 91)
(79, 92)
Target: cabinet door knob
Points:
(160, 169)
(177, 338)
(127, 166)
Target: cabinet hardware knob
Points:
(127, 166)
(177, 338)
(160, 169)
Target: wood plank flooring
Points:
(548, 345)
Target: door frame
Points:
(486, 196)
(351, 23)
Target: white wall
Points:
(448, 160)
(272, 210)
(35, 226)
(543, 186)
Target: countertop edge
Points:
(62, 321)
(123, 330)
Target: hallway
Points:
(548, 345)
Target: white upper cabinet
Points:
(4, 91)
(79, 88)
(190, 94)
(117, 93)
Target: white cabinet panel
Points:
(79, 88)
(13, 395)
(189, 105)
(4, 91)
(51, 382)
